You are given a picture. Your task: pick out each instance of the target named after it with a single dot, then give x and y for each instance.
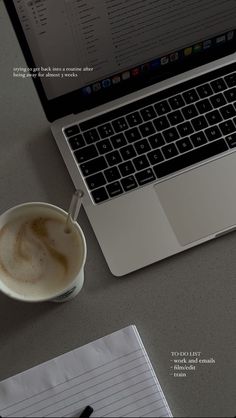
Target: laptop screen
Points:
(94, 46)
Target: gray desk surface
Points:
(185, 303)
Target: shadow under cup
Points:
(61, 291)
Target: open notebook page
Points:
(112, 374)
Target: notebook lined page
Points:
(112, 374)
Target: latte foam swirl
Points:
(28, 250)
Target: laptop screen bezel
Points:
(73, 102)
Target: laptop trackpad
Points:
(202, 201)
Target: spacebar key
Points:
(190, 158)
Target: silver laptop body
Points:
(181, 209)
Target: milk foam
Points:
(37, 257)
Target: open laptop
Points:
(145, 120)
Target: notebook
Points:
(112, 374)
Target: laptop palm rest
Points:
(201, 202)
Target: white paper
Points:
(112, 374)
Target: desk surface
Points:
(185, 303)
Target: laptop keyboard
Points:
(154, 137)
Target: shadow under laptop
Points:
(49, 169)
(176, 275)
(56, 185)
(57, 188)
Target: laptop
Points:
(141, 97)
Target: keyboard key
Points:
(119, 125)
(113, 158)
(129, 183)
(185, 129)
(142, 146)
(99, 120)
(228, 111)
(128, 152)
(155, 156)
(147, 129)
(184, 145)
(204, 91)
(204, 106)
(190, 96)
(140, 162)
(213, 133)
(227, 127)
(218, 85)
(214, 117)
(133, 135)
(114, 189)
(148, 113)
(218, 100)
(104, 146)
(100, 195)
(156, 141)
(93, 166)
(126, 168)
(190, 112)
(145, 176)
(230, 95)
(210, 110)
(190, 158)
(169, 151)
(91, 136)
(112, 174)
(231, 80)
(105, 130)
(171, 135)
(118, 141)
(86, 153)
(76, 142)
(134, 119)
(175, 117)
(95, 181)
(231, 140)
(176, 102)
(162, 108)
(72, 130)
(161, 123)
(199, 123)
(198, 139)
(153, 98)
